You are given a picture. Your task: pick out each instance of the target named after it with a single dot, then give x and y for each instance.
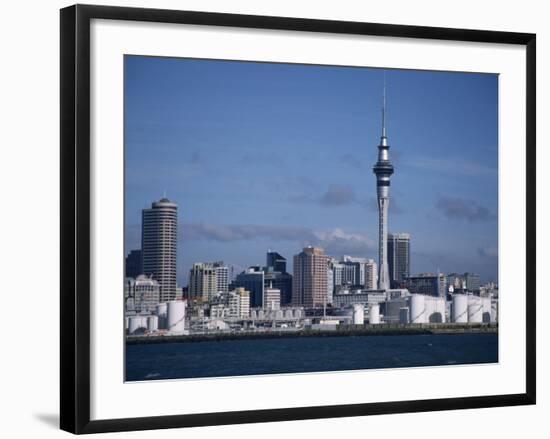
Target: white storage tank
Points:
(358, 314)
(460, 308)
(442, 308)
(288, 313)
(374, 314)
(152, 323)
(486, 317)
(176, 316)
(418, 308)
(494, 310)
(475, 310)
(435, 309)
(137, 322)
(279, 314)
(162, 313)
(297, 313)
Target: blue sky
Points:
(265, 156)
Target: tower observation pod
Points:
(383, 170)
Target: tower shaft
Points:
(383, 170)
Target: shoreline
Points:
(367, 331)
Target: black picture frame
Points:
(75, 217)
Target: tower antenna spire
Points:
(384, 107)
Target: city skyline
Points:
(311, 183)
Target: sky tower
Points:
(383, 170)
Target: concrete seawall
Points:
(343, 331)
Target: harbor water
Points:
(155, 361)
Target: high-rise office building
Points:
(276, 261)
(206, 279)
(222, 276)
(399, 258)
(309, 287)
(159, 239)
(252, 279)
(275, 274)
(133, 266)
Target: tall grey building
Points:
(383, 170)
(399, 258)
(159, 239)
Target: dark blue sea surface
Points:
(157, 361)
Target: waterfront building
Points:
(252, 279)
(272, 298)
(383, 169)
(346, 298)
(133, 266)
(239, 303)
(219, 311)
(399, 258)
(159, 238)
(429, 284)
(309, 288)
(142, 294)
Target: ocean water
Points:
(304, 354)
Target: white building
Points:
(371, 274)
(272, 298)
(239, 303)
(142, 294)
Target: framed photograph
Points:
(275, 218)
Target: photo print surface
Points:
(289, 218)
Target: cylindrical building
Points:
(176, 316)
(159, 237)
(358, 314)
(152, 323)
(418, 308)
(460, 308)
(475, 310)
(374, 314)
(135, 323)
